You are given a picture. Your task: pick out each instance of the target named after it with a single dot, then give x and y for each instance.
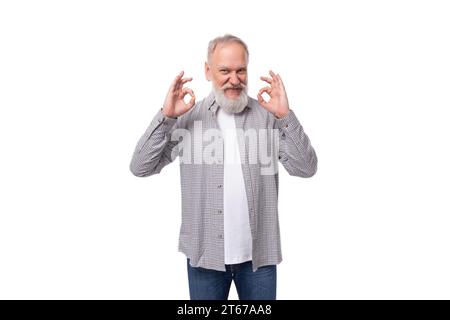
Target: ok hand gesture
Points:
(278, 103)
(174, 104)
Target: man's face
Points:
(227, 69)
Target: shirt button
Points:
(220, 236)
(219, 211)
(219, 186)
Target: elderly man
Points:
(229, 229)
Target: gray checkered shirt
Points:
(201, 236)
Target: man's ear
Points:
(207, 72)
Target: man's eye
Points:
(242, 71)
(224, 71)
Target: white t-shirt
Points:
(237, 233)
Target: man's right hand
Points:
(174, 104)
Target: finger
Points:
(183, 81)
(180, 81)
(261, 100)
(266, 79)
(174, 83)
(186, 91)
(179, 76)
(267, 90)
(189, 91)
(191, 102)
(274, 76)
(280, 81)
(279, 77)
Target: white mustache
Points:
(230, 86)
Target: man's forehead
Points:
(230, 62)
(230, 66)
(229, 50)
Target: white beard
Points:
(231, 105)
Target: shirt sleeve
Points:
(155, 149)
(295, 150)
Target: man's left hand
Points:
(278, 103)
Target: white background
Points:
(81, 80)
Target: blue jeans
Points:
(207, 284)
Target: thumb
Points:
(261, 100)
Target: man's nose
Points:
(234, 79)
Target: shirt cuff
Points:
(165, 119)
(288, 123)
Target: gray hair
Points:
(228, 38)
